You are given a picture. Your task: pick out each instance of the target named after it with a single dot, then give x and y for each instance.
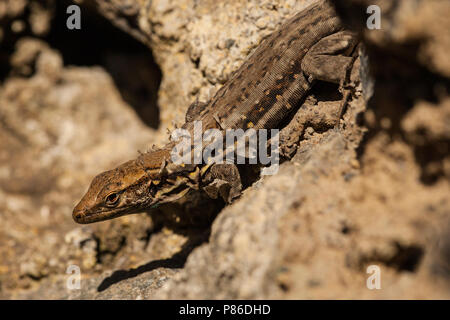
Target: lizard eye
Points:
(112, 200)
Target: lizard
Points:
(265, 91)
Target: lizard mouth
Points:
(84, 217)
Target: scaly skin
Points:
(265, 91)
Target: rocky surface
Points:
(374, 191)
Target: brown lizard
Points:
(263, 93)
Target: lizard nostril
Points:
(77, 214)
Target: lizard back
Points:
(270, 83)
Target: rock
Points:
(373, 192)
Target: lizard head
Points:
(135, 186)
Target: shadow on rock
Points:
(175, 262)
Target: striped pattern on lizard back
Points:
(270, 83)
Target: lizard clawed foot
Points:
(223, 180)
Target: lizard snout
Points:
(79, 213)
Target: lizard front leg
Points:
(224, 180)
(194, 110)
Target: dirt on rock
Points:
(370, 195)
